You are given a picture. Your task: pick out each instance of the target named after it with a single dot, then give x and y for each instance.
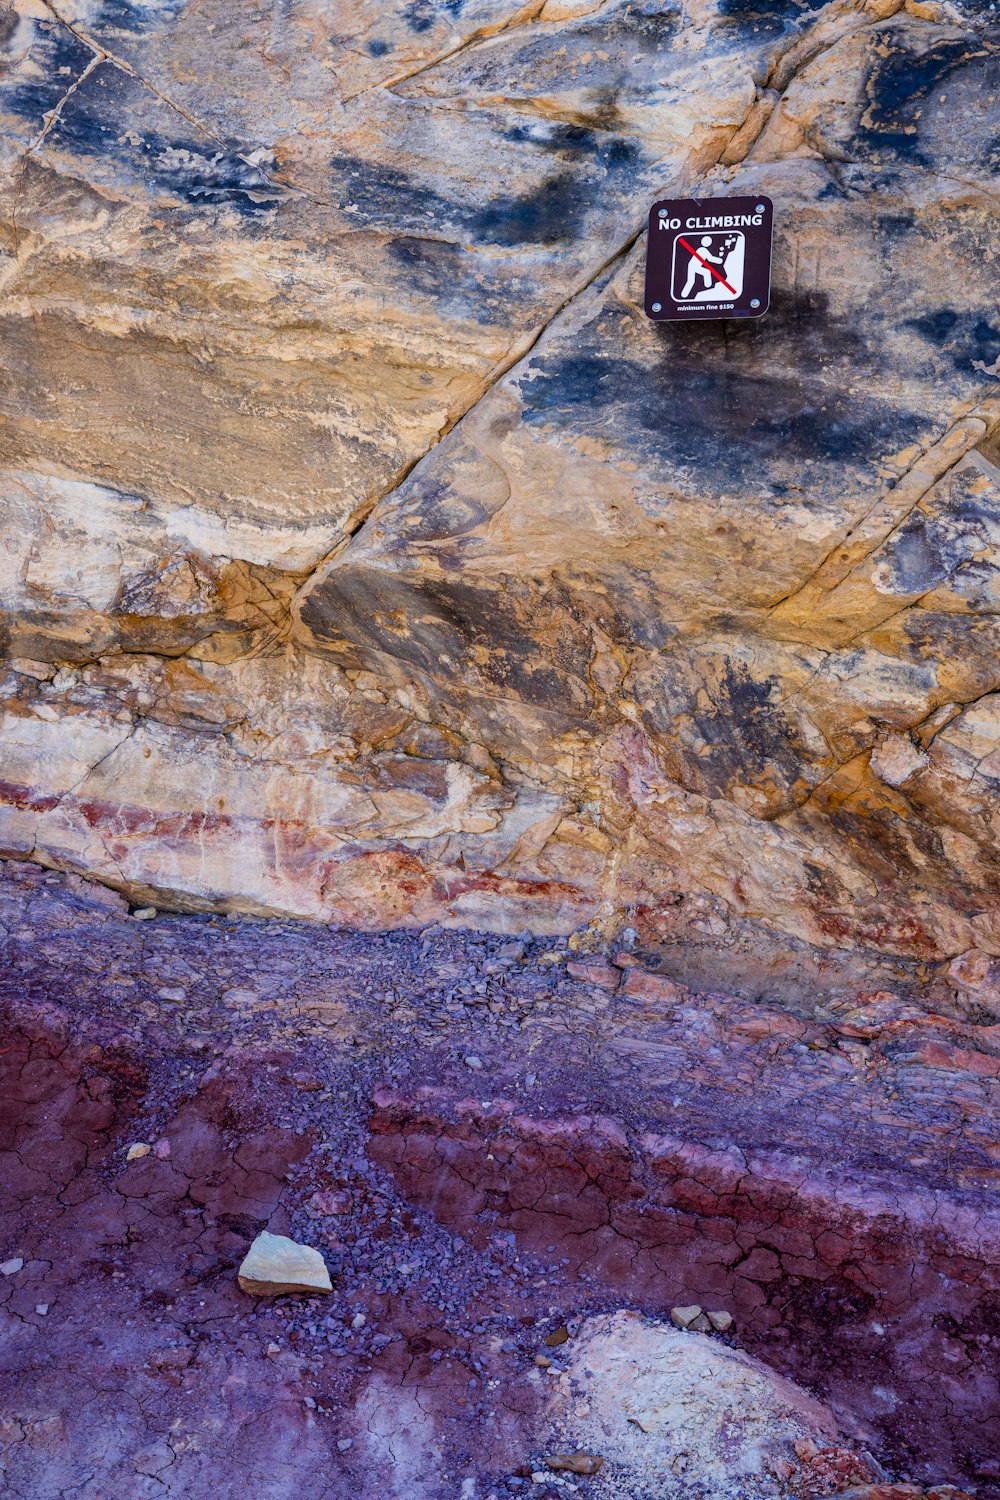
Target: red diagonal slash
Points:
(705, 263)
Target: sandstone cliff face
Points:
(369, 556)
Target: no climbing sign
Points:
(709, 258)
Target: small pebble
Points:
(575, 1463)
(473, 1062)
(144, 914)
(683, 1317)
(41, 1308)
(11, 1267)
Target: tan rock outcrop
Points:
(369, 556)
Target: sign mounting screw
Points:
(657, 306)
(759, 209)
(754, 301)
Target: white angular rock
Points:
(275, 1264)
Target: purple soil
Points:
(827, 1174)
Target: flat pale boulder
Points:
(276, 1264)
(684, 1418)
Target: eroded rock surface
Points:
(826, 1176)
(370, 556)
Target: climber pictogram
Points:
(713, 270)
(709, 258)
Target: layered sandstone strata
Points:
(369, 556)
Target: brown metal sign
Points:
(709, 258)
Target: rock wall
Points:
(370, 557)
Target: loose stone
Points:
(275, 1264)
(684, 1317)
(575, 1463)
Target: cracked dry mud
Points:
(825, 1172)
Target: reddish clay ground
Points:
(484, 1143)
